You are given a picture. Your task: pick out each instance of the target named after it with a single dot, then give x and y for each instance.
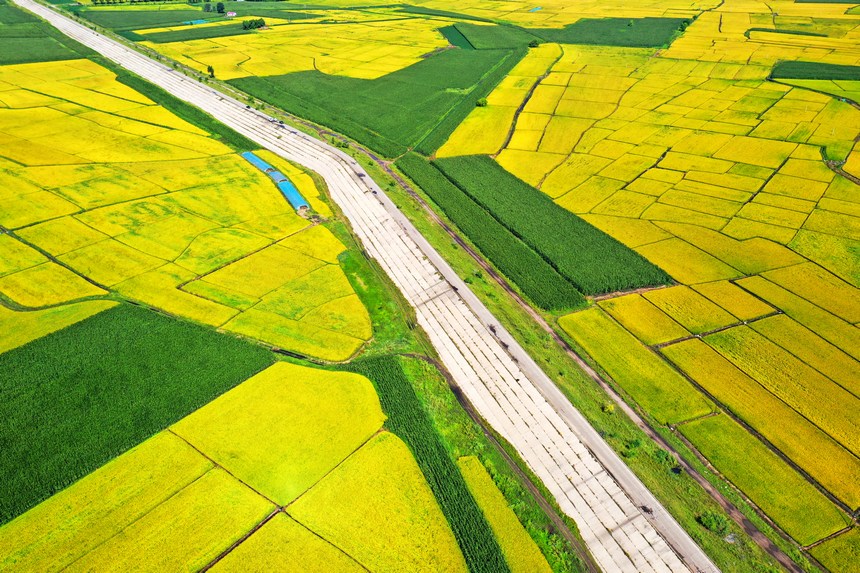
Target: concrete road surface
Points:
(624, 526)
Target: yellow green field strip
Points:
(279, 450)
(377, 507)
(793, 503)
(283, 541)
(520, 551)
(841, 334)
(652, 383)
(186, 531)
(89, 513)
(644, 320)
(842, 553)
(834, 467)
(820, 288)
(46, 284)
(696, 313)
(19, 328)
(733, 299)
(16, 256)
(750, 256)
(819, 399)
(812, 349)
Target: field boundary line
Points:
(138, 518)
(240, 541)
(526, 100)
(218, 465)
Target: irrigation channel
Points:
(622, 523)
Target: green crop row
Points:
(814, 71)
(79, 397)
(516, 260)
(407, 419)
(625, 32)
(589, 258)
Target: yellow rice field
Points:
(377, 507)
(139, 203)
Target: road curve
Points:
(624, 526)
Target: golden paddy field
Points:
(114, 196)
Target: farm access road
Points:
(622, 523)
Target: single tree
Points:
(211, 71)
(207, 7)
(219, 7)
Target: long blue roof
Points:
(282, 181)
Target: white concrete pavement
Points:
(589, 481)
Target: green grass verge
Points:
(79, 397)
(407, 419)
(589, 258)
(814, 71)
(462, 437)
(391, 113)
(537, 280)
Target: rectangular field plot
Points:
(734, 299)
(45, 285)
(812, 349)
(655, 386)
(520, 551)
(841, 334)
(816, 397)
(643, 319)
(834, 467)
(793, 503)
(693, 311)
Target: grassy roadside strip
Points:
(678, 492)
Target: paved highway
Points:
(624, 526)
